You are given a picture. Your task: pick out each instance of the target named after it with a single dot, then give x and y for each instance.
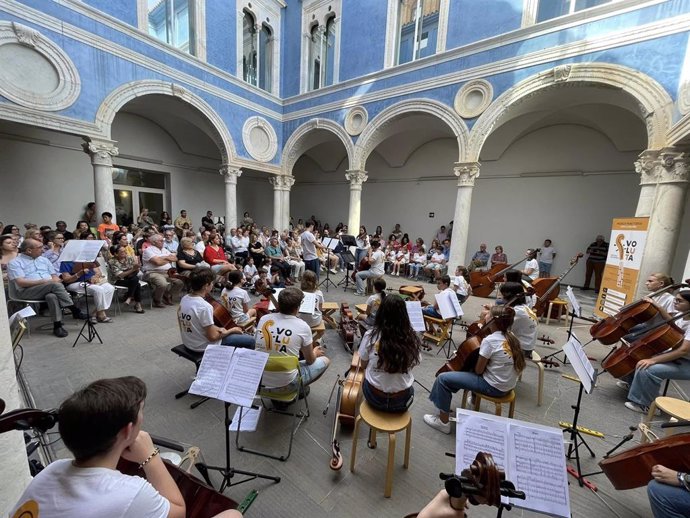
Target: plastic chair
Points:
(279, 363)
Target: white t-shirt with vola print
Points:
(499, 372)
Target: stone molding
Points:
(480, 86)
(655, 105)
(230, 173)
(356, 178)
(298, 143)
(282, 182)
(125, 93)
(255, 130)
(68, 86)
(100, 151)
(467, 173)
(667, 165)
(356, 120)
(379, 129)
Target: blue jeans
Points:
(668, 501)
(414, 269)
(360, 253)
(361, 278)
(431, 311)
(449, 383)
(314, 266)
(393, 404)
(239, 340)
(645, 385)
(545, 268)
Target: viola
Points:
(484, 283)
(633, 468)
(611, 329)
(659, 338)
(547, 288)
(201, 500)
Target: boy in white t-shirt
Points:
(236, 300)
(284, 332)
(531, 266)
(376, 269)
(546, 256)
(460, 285)
(443, 284)
(249, 270)
(90, 484)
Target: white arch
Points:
(128, 91)
(654, 102)
(298, 143)
(380, 128)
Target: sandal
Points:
(106, 320)
(139, 310)
(426, 347)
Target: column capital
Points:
(101, 151)
(356, 177)
(466, 172)
(666, 165)
(282, 182)
(230, 173)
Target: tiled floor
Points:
(140, 345)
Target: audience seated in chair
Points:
(35, 278)
(156, 262)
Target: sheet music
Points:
(308, 304)
(537, 467)
(250, 419)
(532, 456)
(447, 302)
(81, 250)
(330, 242)
(577, 309)
(414, 311)
(581, 364)
(271, 306)
(26, 312)
(230, 374)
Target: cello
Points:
(632, 468)
(548, 288)
(484, 283)
(611, 329)
(659, 338)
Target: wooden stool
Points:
(327, 311)
(497, 401)
(387, 423)
(248, 326)
(437, 330)
(561, 305)
(536, 359)
(318, 331)
(369, 290)
(669, 405)
(412, 292)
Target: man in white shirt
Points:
(200, 246)
(91, 485)
(240, 245)
(309, 246)
(546, 256)
(156, 263)
(285, 332)
(170, 242)
(376, 261)
(531, 266)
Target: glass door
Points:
(124, 211)
(154, 202)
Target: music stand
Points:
(327, 280)
(347, 258)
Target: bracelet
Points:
(155, 452)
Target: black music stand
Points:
(228, 471)
(348, 259)
(91, 332)
(327, 280)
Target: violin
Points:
(484, 283)
(633, 468)
(548, 288)
(611, 329)
(659, 338)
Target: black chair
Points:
(194, 357)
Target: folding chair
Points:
(279, 363)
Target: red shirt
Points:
(211, 255)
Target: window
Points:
(249, 49)
(135, 190)
(258, 45)
(322, 54)
(266, 58)
(171, 21)
(418, 29)
(549, 9)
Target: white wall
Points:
(516, 212)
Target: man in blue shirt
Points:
(35, 279)
(480, 259)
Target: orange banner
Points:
(621, 274)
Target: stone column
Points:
(667, 177)
(288, 182)
(644, 166)
(277, 201)
(102, 153)
(356, 179)
(466, 172)
(231, 175)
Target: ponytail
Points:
(380, 287)
(515, 351)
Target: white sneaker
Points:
(435, 422)
(470, 399)
(623, 384)
(636, 408)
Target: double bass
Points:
(611, 329)
(484, 283)
(547, 288)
